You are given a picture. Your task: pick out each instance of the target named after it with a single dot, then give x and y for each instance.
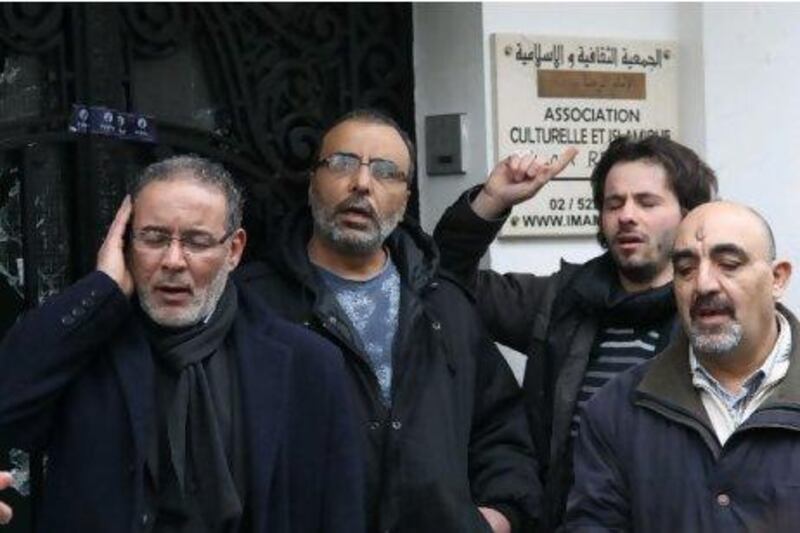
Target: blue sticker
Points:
(79, 120)
(100, 120)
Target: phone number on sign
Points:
(568, 204)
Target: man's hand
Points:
(497, 521)
(515, 179)
(5, 510)
(111, 257)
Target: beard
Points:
(641, 272)
(717, 340)
(650, 265)
(349, 240)
(198, 308)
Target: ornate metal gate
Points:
(250, 85)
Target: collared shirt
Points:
(728, 410)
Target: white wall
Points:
(752, 80)
(449, 78)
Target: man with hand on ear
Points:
(169, 400)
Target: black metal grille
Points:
(251, 85)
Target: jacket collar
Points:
(668, 378)
(788, 392)
(413, 251)
(598, 289)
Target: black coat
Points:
(455, 436)
(77, 381)
(656, 464)
(544, 317)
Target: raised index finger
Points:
(563, 160)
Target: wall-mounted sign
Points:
(554, 92)
(98, 120)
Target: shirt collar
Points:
(780, 352)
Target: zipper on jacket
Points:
(328, 326)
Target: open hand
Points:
(515, 179)
(111, 257)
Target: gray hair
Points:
(373, 116)
(203, 171)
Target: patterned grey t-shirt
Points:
(372, 306)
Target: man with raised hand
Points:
(705, 436)
(169, 400)
(586, 323)
(447, 447)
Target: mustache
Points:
(631, 234)
(711, 303)
(357, 203)
(173, 278)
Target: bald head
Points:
(738, 222)
(727, 280)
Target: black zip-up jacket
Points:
(544, 317)
(455, 437)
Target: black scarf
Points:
(196, 462)
(599, 289)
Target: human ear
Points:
(781, 272)
(238, 242)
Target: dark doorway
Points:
(250, 85)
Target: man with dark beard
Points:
(586, 323)
(706, 435)
(168, 399)
(447, 448)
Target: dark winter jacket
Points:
(455, 437)
(545, 317)
(77, 381)
(648, 460)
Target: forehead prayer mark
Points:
(700, 234)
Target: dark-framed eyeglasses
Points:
(382, 170)
(192, 242)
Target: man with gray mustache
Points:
(705, 436)
(447, 447)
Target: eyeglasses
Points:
(381, 170)
(192, 242)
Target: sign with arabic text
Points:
(554, 92)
